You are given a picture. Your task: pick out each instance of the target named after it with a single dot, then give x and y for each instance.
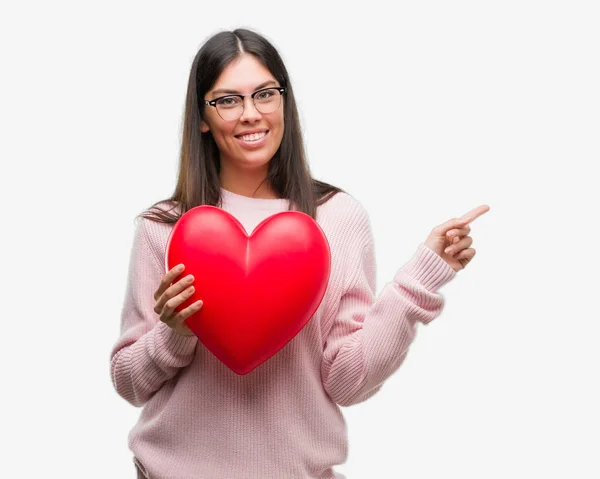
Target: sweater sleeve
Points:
(148, 352)
(370, 337)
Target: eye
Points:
(265, 95)
(228, 101)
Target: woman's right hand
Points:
(168, 297)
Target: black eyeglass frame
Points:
(281, 90)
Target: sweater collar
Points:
(235, 200)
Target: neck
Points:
(247, 183)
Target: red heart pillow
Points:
(258, 291)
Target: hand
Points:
(169, 297)
(452, 235)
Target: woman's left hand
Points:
(450, 241)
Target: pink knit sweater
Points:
(282, 420)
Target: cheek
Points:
(280, 127)
(223, 135)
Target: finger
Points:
(187, 312)
(443, 229)
(172, 291)
(462, 244)
(457, 233)
(465, 254)
(167, 279)
(476, 212)
(179, 323)
(463, 232)
(166, 314)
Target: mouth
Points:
(253, 139)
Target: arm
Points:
(148, 352)
(370, 337)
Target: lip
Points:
(249, 132)
(252, 145)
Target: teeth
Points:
(253, 136)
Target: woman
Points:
(242, 150)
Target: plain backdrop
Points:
(422, 111)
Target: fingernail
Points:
(448, 250)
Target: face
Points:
(244, 75)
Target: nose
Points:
(250, 113)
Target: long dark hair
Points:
(199, 163)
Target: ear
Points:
(204, 127)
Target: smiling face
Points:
(250, 141)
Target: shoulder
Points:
(154, 234)
(343, 215)
(153, 217)
(345, 208)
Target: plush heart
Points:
(259, 290)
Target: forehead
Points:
(243, 74)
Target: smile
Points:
(253, 139)
(253, 136)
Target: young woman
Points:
(242, 150)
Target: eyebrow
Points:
(262, 85)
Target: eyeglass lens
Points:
(265, 101)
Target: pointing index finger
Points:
(475, 213)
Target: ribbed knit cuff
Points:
(428, 268)
(176, 344)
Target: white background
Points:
(422, 111)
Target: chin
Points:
(256, 159)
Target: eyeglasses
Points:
(231, 107)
